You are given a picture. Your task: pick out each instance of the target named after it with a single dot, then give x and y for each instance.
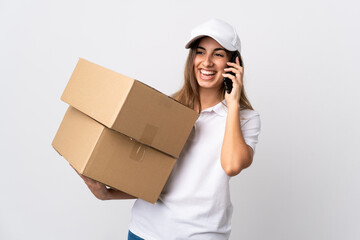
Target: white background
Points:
(302, 75)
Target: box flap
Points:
(97, 91)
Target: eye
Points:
(199, 52)
(219, 55)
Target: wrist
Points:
(235, 106)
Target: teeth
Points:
(207, 72)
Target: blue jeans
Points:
(132, 236)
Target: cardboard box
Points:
(120, 131)
(130, 107)
(112, 158)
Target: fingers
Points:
(86, 179)
(237, 72)
(228, 75)
(99, 190)
(237, 79)
(90, 182)
(234, 67)
(235, 64)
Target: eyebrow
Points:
(216, 49)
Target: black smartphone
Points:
(227, 81)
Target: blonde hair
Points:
(189, 93)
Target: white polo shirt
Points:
(195, 202)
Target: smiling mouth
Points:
(206, 74)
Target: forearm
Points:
(235, 153)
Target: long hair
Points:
(189, 93)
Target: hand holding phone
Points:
(227, 81)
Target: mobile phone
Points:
(227, 81)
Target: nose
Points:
(207, 61)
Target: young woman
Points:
(195, 202)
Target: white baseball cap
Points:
(221, 31)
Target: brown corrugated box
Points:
(112, 158)
(130, 107)
(120, 131)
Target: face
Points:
(209, 63)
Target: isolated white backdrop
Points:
(302, 76)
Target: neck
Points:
(208, 98)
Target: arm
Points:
(236, 155)
(101, 192)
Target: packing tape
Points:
(138, 151)
(149, 134)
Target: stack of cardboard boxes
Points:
(120, 131)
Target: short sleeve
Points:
(250, 127)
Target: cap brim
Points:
(227, 47)
(189, 44)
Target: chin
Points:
(209, 84)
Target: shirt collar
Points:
(220, 109)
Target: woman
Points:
(195, 202)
